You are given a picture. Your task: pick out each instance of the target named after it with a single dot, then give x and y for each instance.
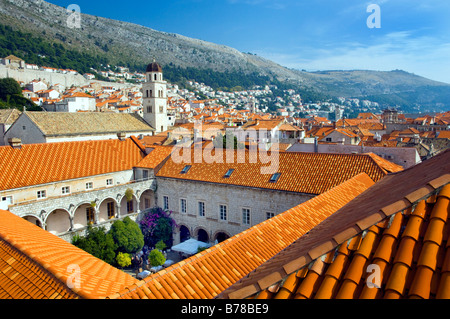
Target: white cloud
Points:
(424, 56)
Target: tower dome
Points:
(154, 67)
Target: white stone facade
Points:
(66, 214)
(256, 204)
(154, 94)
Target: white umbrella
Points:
(189, 246)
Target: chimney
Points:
(316, 145)
(121, 136)
(15, 142)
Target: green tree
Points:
(123, 259)
(156, 258)
(98, 243)
(226, 139)
(160, 245)
(127, 235)
(9, 86)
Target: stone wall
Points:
(236, 198)
(42, 209)
(27, 75)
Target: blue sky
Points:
(313, 35)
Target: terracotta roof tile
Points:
(297, 173)
(69, 123)
(36, 164)
(208, 273)
(409, 248)
(37, 264)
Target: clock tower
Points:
(154, 93)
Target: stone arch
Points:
(79, 215)
(58, 221)
(221, 235)
(201, 234)
(108, 208)
(34, 220)
(185, 233)
(127, 208)
(147, 199)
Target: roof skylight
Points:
(275, 177)
(229, 172)
(185, 169)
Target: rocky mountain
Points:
(138, 45)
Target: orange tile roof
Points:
(157, 156)
(312, 173)
(206, 274)
(399, 227)
(36, 164)
(39, 265)
(81, 94)
(443, 134)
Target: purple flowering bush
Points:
(156, 225)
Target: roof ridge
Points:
(307, 212)
(18, 232)
(39, 262)
(346, 223)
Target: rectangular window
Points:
(41, 194)
(145, 174)
(269, 215)
(90, 214)
(201, 209)
(65, 190)
(183, 206)
(246, 216)
(166, 202)
(109, 182)
(146, 203)
(89, 185)
(223, 212)
(110, 209)
(130, 207)
(7, 199)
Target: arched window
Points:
(156, 76)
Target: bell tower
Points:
(154, 93)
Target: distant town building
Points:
(13, 62)
(50, 127)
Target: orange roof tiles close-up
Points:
(208, 273)
(392, 241)
(311, 173)
(35, 164)
(37, 264)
